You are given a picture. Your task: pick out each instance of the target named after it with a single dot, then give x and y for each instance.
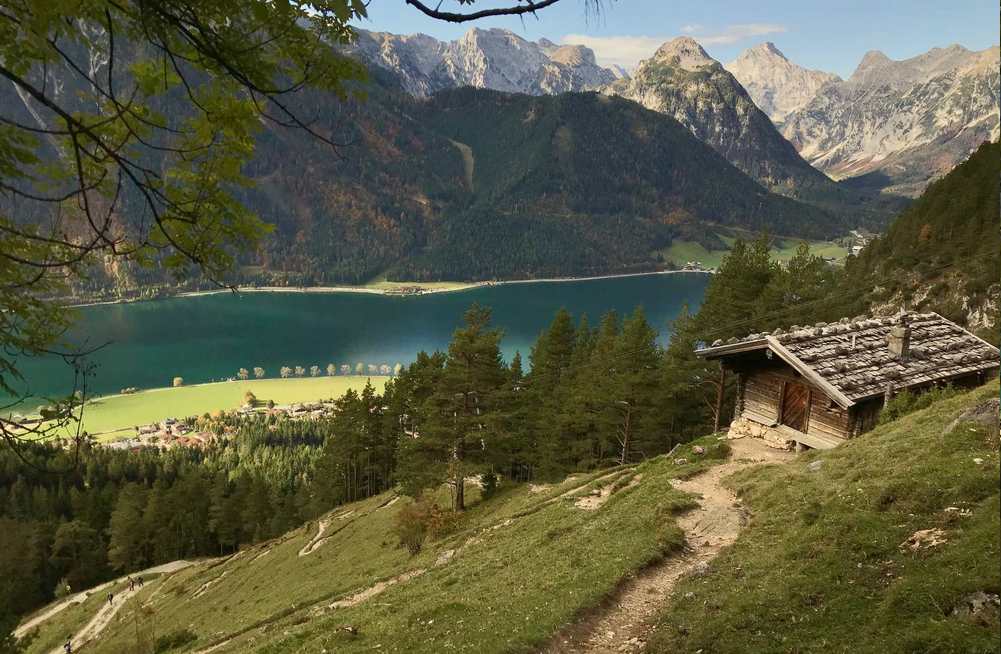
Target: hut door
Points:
(795, 403)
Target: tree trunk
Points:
(625, 436)
(460, 492)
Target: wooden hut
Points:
(818, 386)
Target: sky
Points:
(831, 36)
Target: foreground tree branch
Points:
(527, 7)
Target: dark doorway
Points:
(795, 406)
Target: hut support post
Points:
(719, 398)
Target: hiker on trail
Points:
(68, 647)
(132, 583)
(111, 599)
(140, 581)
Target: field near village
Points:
(783, 249)
(115, 416)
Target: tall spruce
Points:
(461, 417)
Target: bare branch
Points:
(451, 17)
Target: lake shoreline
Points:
(460, 287)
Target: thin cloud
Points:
(735, 33)
(627, 51)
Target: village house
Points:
(819, 386)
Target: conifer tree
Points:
(460, 418)
(126, 536)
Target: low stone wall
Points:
(746, 428)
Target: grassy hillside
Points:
(825, 563)
(486, 585)
(822, 566)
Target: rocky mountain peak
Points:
(718, 110)
(911, 120)
(573, 55)
(870, 60)
(767, 50)
(777, 85)
(684, 52)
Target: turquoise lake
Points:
(210, 337)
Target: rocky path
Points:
(107, 611)
(42, 617)
(624, 624)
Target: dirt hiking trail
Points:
(623, 624)
(107, 611)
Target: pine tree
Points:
(126, 534)
(460, 419)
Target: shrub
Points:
(489, 484)
(907, 402)
(420, 520)
(63, 589)
(719, 451)
(174, 640)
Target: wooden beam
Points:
(813, 440)
(809, 373)
(732, 348)
(719, 397)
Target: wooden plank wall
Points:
(762, 397)
(762, 394)
(827, 418)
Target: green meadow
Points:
(783, 249)
(115, 416)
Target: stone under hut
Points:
(819, 386)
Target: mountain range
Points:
(494, 59)
(441, 167)
(477, 184)
(893, 125)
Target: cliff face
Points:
(684, 82)
(491, 59)
(901, 123)
(777, 85)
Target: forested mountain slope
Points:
(584, 182)
(568, 184)
(867, 556)
(942, 252)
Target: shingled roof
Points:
(851, 361)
